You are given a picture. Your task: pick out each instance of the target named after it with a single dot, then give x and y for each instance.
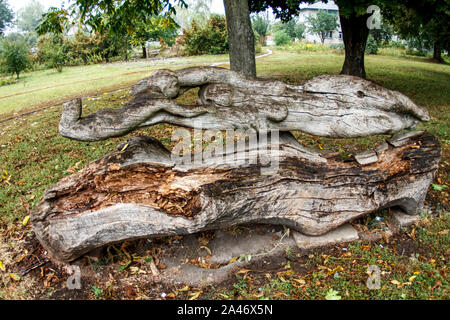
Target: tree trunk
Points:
(241, 37)
(355, 35)
(437, 52)
(262, 41)
(139, 192)
(332, 105)
(144, 52)
(142, 190)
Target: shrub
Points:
(7, 81)
(212, 38)
(81, 49)
(372, 46)
(397, 44)
(339, 46)
(301, 46)
(15, 57)
(52, 52)
(281, 38)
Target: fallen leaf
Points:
(203, 241)
(114, 167)
(243, 271)
(335, 270)
(154, 269)
(74, 168)
(185, 289)
(233, 260)
(278, 294)
(301, 281)
(207, 249)
(437, 284)
(136, 270)
(412, 233)
(195, 295)
(26, 220)
(332, 295)
(14, 276)
(395, 282)
(124, 267)
(411, 279)
(2, 267)
(130, 292)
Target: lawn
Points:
(44, 88)
(33, 156)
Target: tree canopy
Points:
(322, 24)
(6, 16)
(426, 19)
(119, 17)
(29, 17)
(14, 56)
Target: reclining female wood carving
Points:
(141, 191)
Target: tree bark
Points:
(241, 37)
(331, 106)
(355, 34)
(144, 52)
(143, 191)
(138, 191)
(437, 52)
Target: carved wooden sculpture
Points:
(140, 191)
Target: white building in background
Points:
(306, 10)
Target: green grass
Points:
(49, 87)
(419, 275)
(33, 156)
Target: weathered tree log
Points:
(330, 106)
(140, 192)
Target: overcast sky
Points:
(217, 5)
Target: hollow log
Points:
(335, 106)
(141, 192)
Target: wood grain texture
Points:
(335, 106)
(141, 192)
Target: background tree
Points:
(241, 37)
(14, 56)
(121, 19)
(211, 38)
(353, 16)
(52, 51)
(422, 21)
(281, 37)
(6, 16)
(384, 34)
(261, 25)
(291, 28)
(157, 29)
(322, 24)
(300, 31)
(28, 19)
(196, 10)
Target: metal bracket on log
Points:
(141, 192)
